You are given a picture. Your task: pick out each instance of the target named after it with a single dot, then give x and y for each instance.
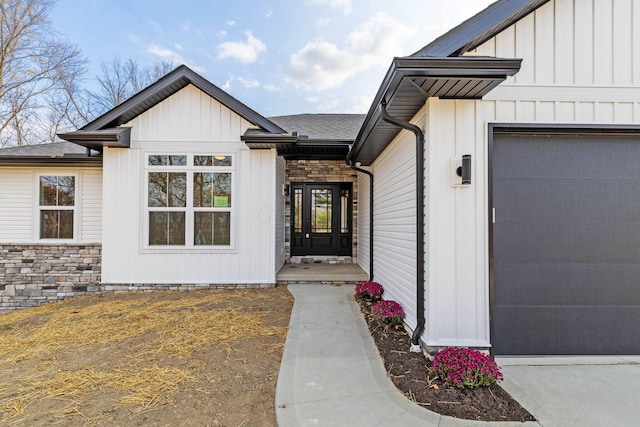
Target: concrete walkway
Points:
(331, 373)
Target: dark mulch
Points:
(410, 374)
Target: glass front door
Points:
(321, 219)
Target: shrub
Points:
(388, 313)
(371, 291)
(465, 368)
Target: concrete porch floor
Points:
(314, 273)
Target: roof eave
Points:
(57, 161)
(479, 28)
(117, 137)
(167, 86)
(491, 70)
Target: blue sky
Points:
(278, 57)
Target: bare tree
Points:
(34, 63)
(121, 80)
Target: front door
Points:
(321, 219)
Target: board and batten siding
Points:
(19, 199)
(581, 65)
(280, 165)
(394, 217)
(189, 122)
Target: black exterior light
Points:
(464, 171)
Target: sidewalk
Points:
(332, 375)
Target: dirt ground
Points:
(410, 374)
(207, 358)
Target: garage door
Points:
(566, 243)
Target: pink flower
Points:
(369, 290)
(464, 367)
(388, 312)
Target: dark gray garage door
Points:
(566, 244)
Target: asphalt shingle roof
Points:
(54, 149)
(333, 127)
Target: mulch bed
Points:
(410, 372)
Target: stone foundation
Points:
(33, 275)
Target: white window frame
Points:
(75, 208)
(190, 169)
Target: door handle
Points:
(306, 235)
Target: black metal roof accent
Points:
(167, 86)
(97, 139)
(310, 136)
(480, 28)
(449, 77)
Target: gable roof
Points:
(440, 70)
(167, 86)
(479, 28)
(106, 131)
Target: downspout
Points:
(370, 175)
(415, 338)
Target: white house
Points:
(534, 249)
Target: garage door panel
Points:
(556, 157)
(568, 200)
(568, 242)
(567, 330)
(561, 284)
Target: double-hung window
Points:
(56, 206)
(189, 200)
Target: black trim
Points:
(169, 85)
(533, 128)
(439, 75)
(117, 137)
(52, 161)
(481, 27)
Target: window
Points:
(189, 200)
(56, 206)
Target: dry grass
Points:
(145, 332)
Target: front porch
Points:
(321, 273)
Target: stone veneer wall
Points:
(33, 275)
(321, 171)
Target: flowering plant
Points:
(388, 313)
(371, 291)
(464, 367)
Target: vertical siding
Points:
(188, 115)
(17, 198)
(580, 65)
(395, 221)
(189, 122)
(280, 166)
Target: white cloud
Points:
(247, 83)
(344, 5)
(322, 22)
(172, 56)
(270, 87)
(322, 65)
(177, 46)
(222, 34)
(268, 13)
(245, 52)
(231, 23)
